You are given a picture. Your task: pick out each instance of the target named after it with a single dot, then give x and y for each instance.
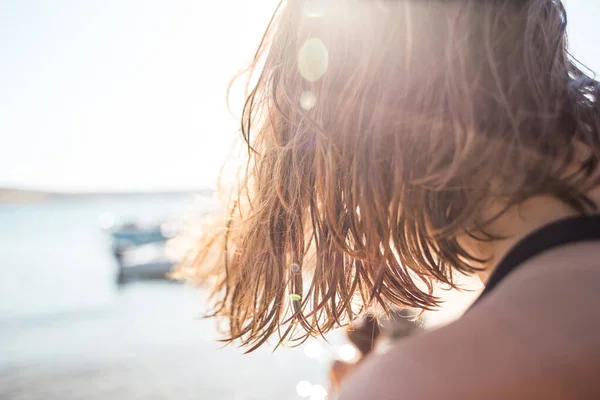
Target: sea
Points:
(68, 331)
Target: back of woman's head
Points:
(377, 131)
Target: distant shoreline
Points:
(24, 196)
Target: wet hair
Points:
(376, 132)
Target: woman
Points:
(394, 144)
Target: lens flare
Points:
(313, 59)
(313, 9)
(307, 100)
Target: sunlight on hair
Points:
(412, 123)
(313, 59)
(348, 353)
(307, 100)
(313, 350)
(304, 389)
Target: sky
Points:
(120, 94)
(130, 94)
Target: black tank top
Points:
(566, 231)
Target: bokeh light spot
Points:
(348, 353)
(313, 350)
(318, 393)
(313, 59)
(106, 220)
(304, 389)
(308, 100)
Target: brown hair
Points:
(376, 132)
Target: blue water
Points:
(67, 331)
(55, 258)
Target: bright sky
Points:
(120, 94)
(130, 94)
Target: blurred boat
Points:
(140, 251)
(150, 251)
(131, 235)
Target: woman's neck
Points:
(520, 221)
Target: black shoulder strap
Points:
(566, 231)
